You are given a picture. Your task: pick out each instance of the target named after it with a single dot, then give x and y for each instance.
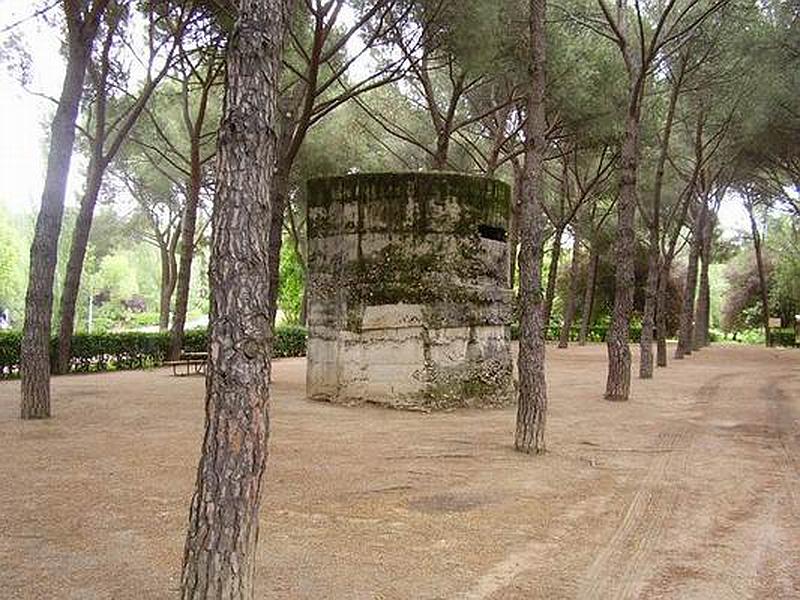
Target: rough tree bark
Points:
(588, 298)
(686, 327)
(619, 353)
(762, 274)
(532, 400)
(35, 346)
(219, 557)
(569, 304)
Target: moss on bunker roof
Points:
(488, 199)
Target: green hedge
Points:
(124, 351)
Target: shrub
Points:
(9, 353)
(290, 340)
(783, 337)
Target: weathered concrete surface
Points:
(408, 302)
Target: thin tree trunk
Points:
(654, 248)
(619, 353)
(35, 346)
(649, 314)
(184, 278)
(661, 314)
(702, 313)
(219, 558)
(569, 305)
(588, 298)
(552, 275)
(169, 270)
(165, 296)
(762, 275)
(686, 328)
(532, 400)
(280, 191)
(439, 159)
(98, 163)
(72, 279)
(304, 305)
(194, 129)
(83, 224)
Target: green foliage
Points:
(11, 278)
(118, 276)
(292, 284)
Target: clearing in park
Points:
(691, 490)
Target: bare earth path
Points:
(690, 490)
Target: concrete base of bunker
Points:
(408, 299)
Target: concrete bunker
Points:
(409, 304)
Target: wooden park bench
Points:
(190, 363)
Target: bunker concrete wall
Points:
(408, 301)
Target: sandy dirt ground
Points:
(690, 490)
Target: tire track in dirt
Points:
(621, 566)
(519, 561)
(782, 419)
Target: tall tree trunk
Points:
(219, 558)
(619, 353)
(532, 400)
(654, 248)
(762, 274)
(35, 346)
(664, 278)
(77, 254)
(649, 313)
(702, 314)
(552, 276)
(661, 313)
(280, 192)
(194, 129)
(588, 298)
(569, 305)
(686, 328)
(98, 163)
(184, 278)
